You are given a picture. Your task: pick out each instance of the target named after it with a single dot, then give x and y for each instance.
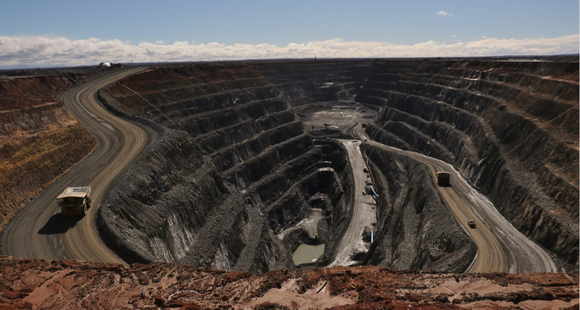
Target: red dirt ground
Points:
(39, 284)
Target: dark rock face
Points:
(307, 81)
(511, 128)
(410, 215)
(229, 169)
(232, 171)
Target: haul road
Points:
(39, 230)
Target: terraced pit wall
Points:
(230, 168)
(334, 197)
(242, 169)
(39, 139)
(415, 229)
(511, 128)
(308, 81)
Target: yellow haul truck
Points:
(74, 201)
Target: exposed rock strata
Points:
(242, 169)
(410, 215)
(510, 127)
(39, 139)
(228, 160)
(308, 81)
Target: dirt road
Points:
(363, 214)
(38, 231)
(501, 247)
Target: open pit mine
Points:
(292, 184)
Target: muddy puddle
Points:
(306, 254)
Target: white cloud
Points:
(453, 36)
(443, 13)
(49, 50)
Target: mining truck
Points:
(74, 201)
(471, 223)
(443, 178)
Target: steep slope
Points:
(232, 174)
(410, 215)
(39, 138)
(235, 180)
(212, 189)
(510, 127)
(310, 81)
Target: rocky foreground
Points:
(39, 284)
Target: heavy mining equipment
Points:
(74, 201)
(471, 223)
(443, 178)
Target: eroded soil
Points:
(39, 284)
(39, 139)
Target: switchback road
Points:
(38, 231)
(500, 246)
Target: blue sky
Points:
(281, 23)
(277, 23)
